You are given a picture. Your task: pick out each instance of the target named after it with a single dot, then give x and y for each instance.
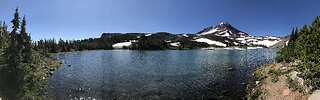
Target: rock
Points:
(308, 89)
(315, 95)
(257, 82)
(230, 69)
(286, 92)
(296, 62)
(294, 76)
(283, 68)
(69, 65)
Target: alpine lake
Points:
(164, 74)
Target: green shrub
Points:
(274, 74)
(258, 75)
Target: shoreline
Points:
(50, 63)
(276, 81)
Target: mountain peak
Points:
(224, 23)
(224, 29)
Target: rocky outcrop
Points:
(277, 81)
(315, 95)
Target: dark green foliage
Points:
(293, 84)
(274, 74)
(73, 45)
(112, 38)
(20, 73)
(304, 45)
(287, 53)
(192, 45)
(105, 42)
(162, 36)
(3, 36)
(145, 43)
(258, 75)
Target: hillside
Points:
(296, 74)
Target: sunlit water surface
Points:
(168, 74)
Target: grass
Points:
(293, 84)
(274, 73)
(258, 74)
(253, 93)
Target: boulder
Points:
(315, 95)
(294, 76)
(286, 92)
(230, 69)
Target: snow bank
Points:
(148, 35)
(185, 35)
(267, 43)
(209, 32)
(254, 47)
(176, 44)
(210, 42)
(121, 45)
(225, 33)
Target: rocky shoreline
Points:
(279, 81)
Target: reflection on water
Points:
(169, 74)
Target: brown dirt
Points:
(279, 90)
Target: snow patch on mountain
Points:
(211, 42)
(175, 44)
(224, 30)
(267, 41)
(210, 31)
(123, 44)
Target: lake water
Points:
(168, 74)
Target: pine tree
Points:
(33, 82)
(25, 42)
(11, 70)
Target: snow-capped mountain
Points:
(223, 35)
(224, 29)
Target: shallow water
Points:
(168, 74)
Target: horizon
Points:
(76, 19)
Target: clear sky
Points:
(78, 19)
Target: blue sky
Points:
(78, 19)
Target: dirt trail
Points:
(278, 90)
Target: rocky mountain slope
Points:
(224, 29)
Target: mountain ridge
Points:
(221, 35)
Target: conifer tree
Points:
(11, 70)
(25, 42)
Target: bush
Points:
(304, 45)
(274, 74)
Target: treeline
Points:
(105, 42)
(53, 46)
(147, 43)
(21, 76)
(304, 46)
(157, 41)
